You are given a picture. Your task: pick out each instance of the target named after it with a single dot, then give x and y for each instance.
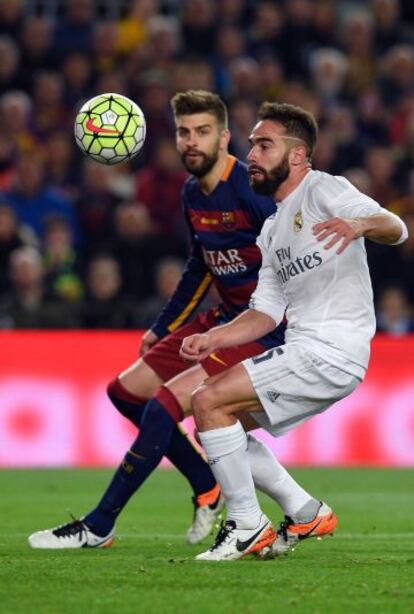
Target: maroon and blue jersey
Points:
(224, 226)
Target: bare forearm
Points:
(248, 326)
(381, 228)
(384, 228)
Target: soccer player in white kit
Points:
(315, 271)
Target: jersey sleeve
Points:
(342, 199)
(268, 297)
(192, 288)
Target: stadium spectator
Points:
(348, 150)
(11, 17)
(244, 78)
(15, 115)
(61, 262)
(77, 75)
(192, 73)
(96, 204)
(167, 275)
(271, 77)
(360, 179)
(398, 74)
(27, 304)
(324, 156)
(158, 187)
(75, 30)
(132, 28)
(111, 81)
(230, 45)
(36, 41)
(9, 65)
(297, 93)
(138, 248)
(164, 41)
(11, 238)
(62, 168)
(50, 112)
(198, 26)
(104, 47)
(267, 33)
(153, 88)
(357, 35)
(8, 155)
(401, 268)
(371, 119)
(328, 72)
(105, 306)
(388, 27)
(380, 164)
(394, 315)
(34, 200)
(299, 27)
(324, 21)
(241, 118)
(232, 12)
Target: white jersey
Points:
(327, 297)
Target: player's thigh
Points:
(140, 379)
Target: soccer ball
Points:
(110, 128)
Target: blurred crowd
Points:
(86, 245)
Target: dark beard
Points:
(204, 168)
(273, 179)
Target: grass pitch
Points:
(367, 567)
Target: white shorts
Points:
(293, 384)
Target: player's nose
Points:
(251, 155)
(192, 140)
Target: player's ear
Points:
(297, 155)
(225, 137)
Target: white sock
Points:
(271, 477)
(225, 449)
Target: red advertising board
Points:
(54, 410)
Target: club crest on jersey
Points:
(298, 221)
(228, 219)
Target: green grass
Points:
(367, 567)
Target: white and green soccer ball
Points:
(110, 128)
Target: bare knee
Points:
(207, 413)
(202, 401)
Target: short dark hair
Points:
(298, 122)
(200, 101)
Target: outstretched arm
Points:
(384, 228)
(248, 326)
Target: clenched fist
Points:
(197, 347)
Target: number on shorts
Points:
(263, 357)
